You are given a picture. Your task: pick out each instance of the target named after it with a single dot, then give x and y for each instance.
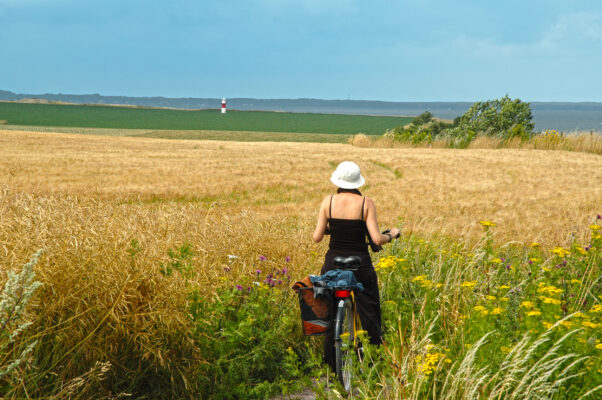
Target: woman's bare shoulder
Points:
(326, 200)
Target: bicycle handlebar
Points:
(389, 230)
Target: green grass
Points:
(85, 116)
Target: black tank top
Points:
(348, 235)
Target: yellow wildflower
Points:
(497, 311)
(547, 325)
(566, 324)
(579, 314)
(503, 299)
(505, 349)
(344, 336)
(421, 279)
(504, 287)
(430, 361)
(469, 284)
(596, 309)
(594, 227)
(481, 310)
(534, 244)
(496, 260)
(551, 290)
(580, 250)
(549, 300)
(487, 223)
(527, 304)
(599, 346)
(560, 252)
(534, 313)
(575, 281)
(490, 297)
(589, 324)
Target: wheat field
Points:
(106, 210)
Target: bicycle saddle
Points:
(351, 262)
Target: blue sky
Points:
(418, 50)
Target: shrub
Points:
(423, 129)
(504, 118)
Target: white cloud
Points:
(573, 29)
(569, 35)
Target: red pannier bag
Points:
(315, 311)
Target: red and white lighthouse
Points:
(224, 105)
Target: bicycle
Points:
(333, 309)
(346, 324)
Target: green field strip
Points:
(88, 116)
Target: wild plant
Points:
(18, 290)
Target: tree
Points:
(504, 118)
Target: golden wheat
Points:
(588, 142)
(107, 210)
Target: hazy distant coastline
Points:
(562, 116)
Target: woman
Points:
(349, 217)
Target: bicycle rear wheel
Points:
(344, 342)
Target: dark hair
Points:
(355, 191)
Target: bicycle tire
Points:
(344, 347)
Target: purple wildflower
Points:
(503, 259)
(599, 216)
(563, 262)
(530, 262)
(238, 287)
(249, 289)
(508, 266)
(284, 271)
(557, 266)
(258, 271)
(587, 248)
(287, 259)
(280, 281)
(262, 257)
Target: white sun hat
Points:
(347, 176)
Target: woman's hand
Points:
(394, 233)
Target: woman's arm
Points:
(372, 225)
(322, 220)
